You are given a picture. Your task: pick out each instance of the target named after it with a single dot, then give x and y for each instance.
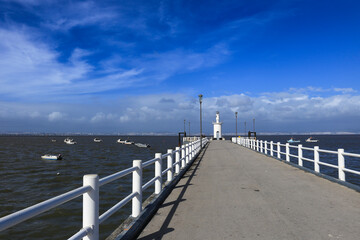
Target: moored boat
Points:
(97, 140)
(51, 157)
(69, 141)
(127, 142)
(292, 140)
(310, 139)
(143, 145)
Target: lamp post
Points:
(245, 128)
(200, 100)
(236, 113)
(189, 128)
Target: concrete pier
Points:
(232, 192)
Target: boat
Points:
(51, 157)
(310, 139)
(53, 140)
(124, 141)
(128, 142)
(291, 140)
(69, 141)
(97, 140)
(143, 145)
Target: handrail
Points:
(92, 184)
(116, 176)
(82, 233)
(25, 214)
(151, 161)
(341, 154)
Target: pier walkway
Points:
(232, 192)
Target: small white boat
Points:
(143, 145)
(97, 140)
(127, 142)
(291, 140)
(51, 157)
(53, 140)
(69, 141)
(310, 139)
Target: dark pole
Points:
(189, 128)
(236, 113)
(254, 124)
(200, 100)
(184, 126)
(245, 128)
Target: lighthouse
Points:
(217, 127)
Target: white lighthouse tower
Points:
(217, 127)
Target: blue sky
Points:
(138, 66)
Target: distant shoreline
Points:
(167, 134)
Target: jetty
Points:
(232, 192)
(216, 189)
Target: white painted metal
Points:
(27, 213)
(91, 206)
(177, 160)
(287, 152)
(266, 147)
(300, 155)
(137, 189)
(187, 154)
(261, 146)
(271, 148)
(170, 173)
(183, 157)
(341, 164)
(316, 159)
(278, 150)
(158, 181)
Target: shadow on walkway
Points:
(189, 174)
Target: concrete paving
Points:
(232, 192)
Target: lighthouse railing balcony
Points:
(92, 183)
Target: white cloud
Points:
(55, 116)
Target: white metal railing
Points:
(183, 156)
(263, 147)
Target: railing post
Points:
(278, 149)
(341, 164)
(272, 148)
(261, 146)
(177, 159)
(137, 188)
(300, 155)
(287, 152)
(187, 154)
(170, 173)
(182, 156)
(316, 159)
(158, 169)
(257, 145)
(91, 206)
(265, 147)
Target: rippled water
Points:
(26, 179)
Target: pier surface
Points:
(232, 192)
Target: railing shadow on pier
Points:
(164, 229)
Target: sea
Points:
(26, 179)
